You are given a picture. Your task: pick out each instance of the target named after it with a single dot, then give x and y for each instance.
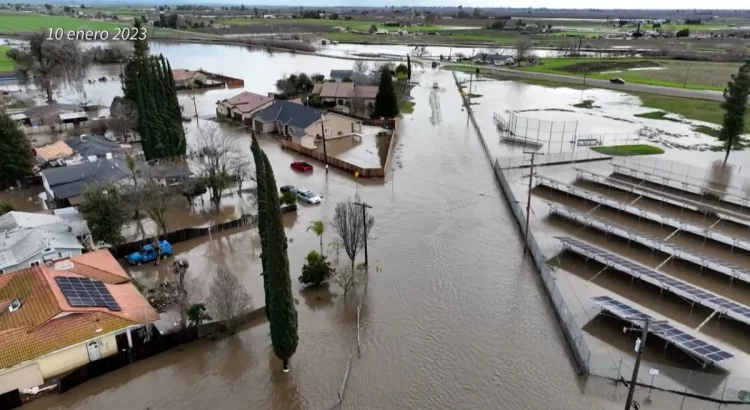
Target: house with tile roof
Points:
(346, 95)
(302, 124)
(61, 315)
(243, 106)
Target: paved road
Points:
(641, 88)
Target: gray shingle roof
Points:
(296, 115)
(69, 181)
(341, 74)
(22, 245)
(87, 145)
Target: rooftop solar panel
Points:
(722, 305)
(734, 269)
(690, 344)
(85, 292)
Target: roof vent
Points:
(14, 305)
(65, 264)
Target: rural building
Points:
(346, 94)
(494, 59)
(302, 124)
(75, 118)
(30, 239)
(50, 114)
(61, 315)
(188, 78)
(243, 106)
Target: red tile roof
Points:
(345, 90)
(247, 101)
(46, 322)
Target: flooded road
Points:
(456, 319)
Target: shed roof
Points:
(97, 145)
(73, 116)
(54, 151)
(182, 74)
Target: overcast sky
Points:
(573, 4)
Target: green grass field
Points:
(628, 150)
(6, 64)
(700, 110)
(351, 24)
(697, 75)
(19, 23)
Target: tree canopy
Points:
(316, 270)
(386, 101)
(260, 176)
(16, 161)
(735, 108)
(105, 213)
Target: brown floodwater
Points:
(456, 319)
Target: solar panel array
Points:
(658, 241)
(698, 295)
(673, 222)
(85, 292)
(684, 341)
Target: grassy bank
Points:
(406, 107)
(697, 75)
(700, 110)
(6, 64)
(628, 150)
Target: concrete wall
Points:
(73, 357)
(339, 125)
(21, 377)
(333, 161)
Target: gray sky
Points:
(573, 4)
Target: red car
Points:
(302, 166)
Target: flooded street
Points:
(456, 319)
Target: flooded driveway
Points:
(456, 319)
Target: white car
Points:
(308, 196)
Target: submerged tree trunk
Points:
(286, 365)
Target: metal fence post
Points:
(619, 373)
(690, 376)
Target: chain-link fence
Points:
(550, 159)
(591, 140)
(552, 136)
(571, 329)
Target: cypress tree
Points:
(260, 177)
(386, 101)
(735, 108)
(16, 161)
(283, 314)
(144, 125)
(408, 68)
(179, 143)
(129, 76)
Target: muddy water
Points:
(454, 320)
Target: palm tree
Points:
(318, 227)
(335, 244)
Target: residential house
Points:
(494, 59)
(243, 106)
(346, 94)
(302, 124)
(59, 220)
(22, 248)
(50, 114)
(188, 78)
(340, 75)
(53, 154)
(74, 150)
(64, 186)
(59, 316)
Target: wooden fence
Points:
(391, 148)
(158, 344)
(10, 400)
(231, 82)
(182, 235)
(333, 161)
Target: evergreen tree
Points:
(386, 101)
(735, 108)
(283, 322)
(408, 68)
(260, 177)
(179, 145)
(16, 161)
(129, 74)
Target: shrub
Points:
(288, 198)
(316, 270)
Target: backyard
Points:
(699, 75)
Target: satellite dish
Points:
(14, 305)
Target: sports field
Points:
(698, 75)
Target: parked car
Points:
(617, 81)
(148, 253)
(302, 166)
(308, 196)
(288, 188)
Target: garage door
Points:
(258, 126)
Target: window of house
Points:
(35, 263)
(327, 131)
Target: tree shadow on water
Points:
(238, 358)
(318, 297)
(284, 390)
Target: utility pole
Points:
(323, 132)
(528, 201)
(687, 73)
(195, 106)
(364, 222)
(639, 345)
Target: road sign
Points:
(654, 372)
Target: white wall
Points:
(21, 377)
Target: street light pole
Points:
(639, 346)
(364, 225)
(323, 132)
(528, 201)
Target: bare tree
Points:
(227, 298)
(419, 51)
(568, 46)
(737, 52)
(51, 64)
(348, 277)
(523, 49)
(219, 153)
(242, 170)
(352, 226)
(179, 269)
(361, 66)
(358, 102)
(156, 194)
(123, 117)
